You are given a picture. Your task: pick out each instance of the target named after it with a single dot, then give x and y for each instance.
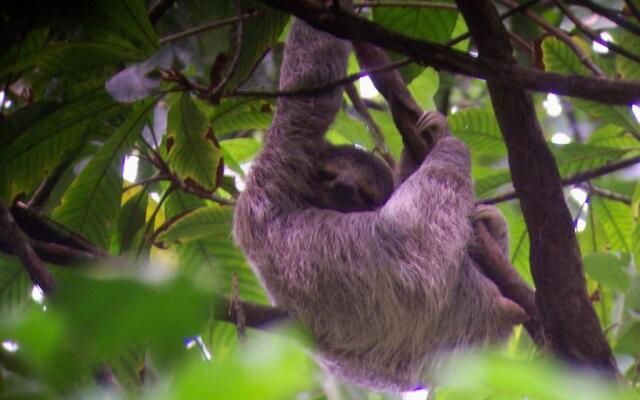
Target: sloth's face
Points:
(351, 180)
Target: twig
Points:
(256, 315)
(321, 87)
(609, 14)
(376, 132)
(206, 27)
(19, 243)
(405, 4)
(607, 194)
(571, 180)
(584, 59)
(521, 42)
(594, 36)
(215, 92)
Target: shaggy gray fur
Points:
(385, 292)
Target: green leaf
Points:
(33, 42)
(628, 69)
(434, 25)
(247, 374)
(237, 114)
(212, 222)
(391, 135)
(616, 222)
(215, 258)
(15, 287)
(352, 129)
(241, 149)
(130, 16)
(131, 221)
(259, 35)
(559, 58)
(69, 58)
(430, 24)
(635, 236)
(607, 269)
(575, 157)
(479, 129)
(41, 136)
(92, 203)
(195, 154)
(487, 180)
(424, 87)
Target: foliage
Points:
(146, 320)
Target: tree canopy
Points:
(127, 129)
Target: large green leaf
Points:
(607, 269)
(212, 222)
(479, 130)
(195, 153)
(92, 203)
(33, 42)
(236, 114)
(635, 237)
(489, 179)
(130, 16)
(576, 157)
(432, 24)
(41, 136)
(259, 35)
(353, 130)
(616, 222)
(15, 286)
(425, 23)
(627, 68)
(69, 58)
(214, 258)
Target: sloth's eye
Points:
(326, 176)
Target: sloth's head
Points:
(348, 180)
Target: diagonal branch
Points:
(19, 244)
(600, 89)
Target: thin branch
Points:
(256, 315)
(517, 40)
(609, 14)
(559, 33)
(206, 27)
(571, 180)
(593, 35)
(215, 92)
(19, 243)
(376, 132)
(603, 90)
(322, 87)
(607, 194)
(405, 4)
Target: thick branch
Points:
(569, 320)
(604, 90)
(19, 244)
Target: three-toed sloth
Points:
(379, 273)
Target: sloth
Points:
(381, 276)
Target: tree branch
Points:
(571, 180)
(18, 242)
(608, 14)
(570, 322)
(604, 90)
